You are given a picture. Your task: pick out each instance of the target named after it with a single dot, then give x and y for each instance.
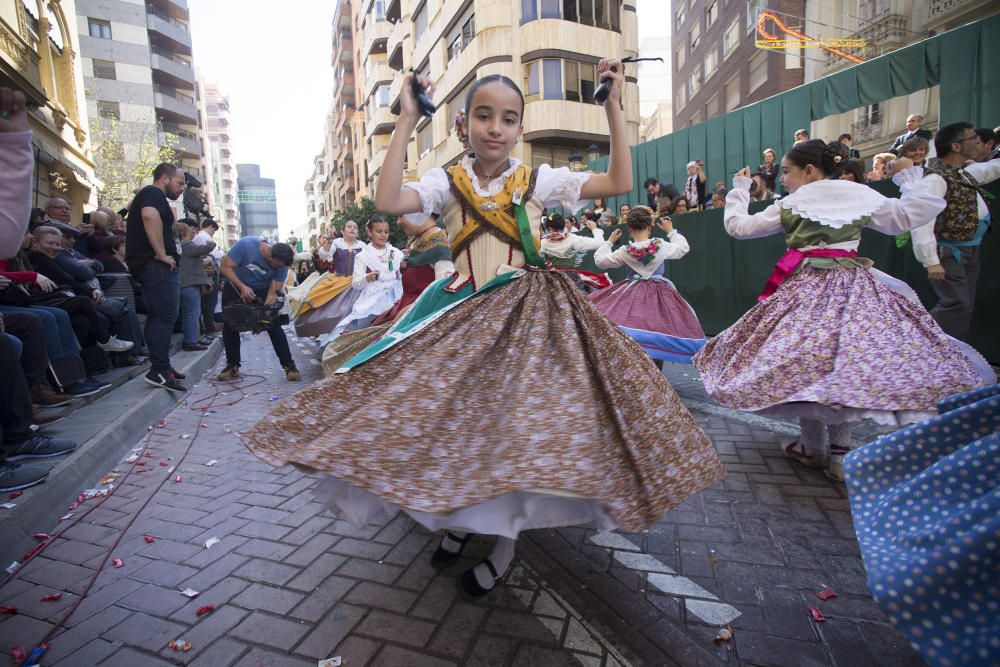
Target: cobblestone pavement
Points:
(291, 584)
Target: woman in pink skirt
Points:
(833, 341)
(646, 305)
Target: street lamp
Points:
(575, 161)
(594, 152)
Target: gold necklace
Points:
(484, 181)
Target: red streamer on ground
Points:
(202, 406)
(826, 594)
(51, 598)
(817, 614)
(206, 609)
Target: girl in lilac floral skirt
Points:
(834, 341)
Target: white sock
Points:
(840, 438)
(813, 439)
(501, 557)
(450, 545)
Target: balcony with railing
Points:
(377, 74)
(376, 36)
(342, 15)
(864, 131)
(395, 43)
(167, 64)
(167, 27)
(177, 8)
(380, 121)
(184, 140)
(170, 101)
(885, 32)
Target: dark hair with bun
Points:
(830, 158)
(374, 220)
(555, 222)
(639, 218)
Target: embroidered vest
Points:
(490, 214)
(802, 232)
(960, 219)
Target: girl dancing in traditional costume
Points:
(560, 248)
(832, 342)
(378, 278)
(646, 305)
(427, 258)
(323, 300)
(454, 435)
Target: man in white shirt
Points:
(949, 246)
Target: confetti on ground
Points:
(211, 542)
(17, 655)
(149, 539)
(185, 437)
(162, 423)
(67, 516)
(206, 609)
(16, 494)
(8, 610)
(817, 614)
(189, 592)
(177, 479)
(179, 645)
(164, 464)
(9, 506)
(41, 536)
(212, 463)
(51, 598)
(335, 661)
(118, 562)
(12, 568)
(132, 459)
(826, 594)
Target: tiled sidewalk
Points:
(291, 584)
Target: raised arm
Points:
(584, 244)
(390, 196)
(606, 258)
(739, 223)
(920, 203)
(618, 179)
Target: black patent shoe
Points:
(442, 557)
(469, 585)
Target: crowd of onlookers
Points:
(71, 291)
(665, 199)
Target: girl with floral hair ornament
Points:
(833, 341)
(646, 305)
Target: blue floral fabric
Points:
(926, 507)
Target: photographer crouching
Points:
(255, 270)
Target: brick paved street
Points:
(291, 584)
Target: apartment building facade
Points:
(220, 165)
(716, 65)
(39, 55)
(138, 69)
(886, 25)
(550, 48)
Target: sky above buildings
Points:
(273, 61)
